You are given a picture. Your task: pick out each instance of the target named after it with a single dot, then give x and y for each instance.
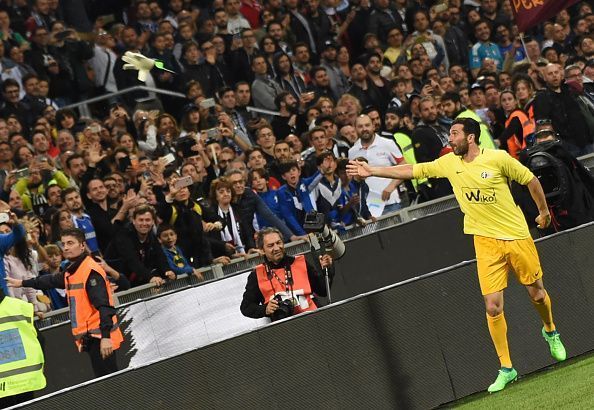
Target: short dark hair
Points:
(222, 91)
(273, 22)
(76, 233)
(9, 82)
(165, 227)
(63, 113)
(450, 96)
(93, 178)
(71, 158)
(252, 150)
(256, 57)
(259, 171)
(28, 76)
(286, 166)
(281, 98)
(325, 118)
(237, 84)
(279, 142)
(301, 44)
(186, 46)
(266, 231)
(314, 130)
(479, 22)
(68, 191)
(315, 69)
(469, 126)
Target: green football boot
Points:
(503, 378)
(555, 345)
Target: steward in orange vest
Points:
(93, 319)
(518, 128)
(283, 285)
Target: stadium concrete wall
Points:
(410, 345)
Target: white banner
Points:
(169, 325)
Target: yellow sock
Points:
(545, 312)
(498, 331)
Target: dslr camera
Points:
(285, 308)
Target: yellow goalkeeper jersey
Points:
(482, 190)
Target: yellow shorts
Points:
(495, 257)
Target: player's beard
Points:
(461, 149)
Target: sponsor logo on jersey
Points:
(479, 195)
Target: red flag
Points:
(529, 13)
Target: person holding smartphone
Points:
(9, 239)
(178, 210)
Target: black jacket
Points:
(373, 95)
(573, 203)
(456, 46)
(242, 65)
(139, 261)
(211, 77)
(73, 55)
(380, 22)
(427, 146)
(101, 220)
(564, 112)
(252, 304)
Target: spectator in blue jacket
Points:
(294, 197)
(259, 183)
(249, 204)
(9, 239)
(328, 193)
(175, 258)
(354, 196)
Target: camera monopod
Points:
(318, 247)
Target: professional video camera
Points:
(323, 240)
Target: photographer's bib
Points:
(278, 281)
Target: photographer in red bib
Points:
(283, 285)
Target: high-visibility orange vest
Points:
(84, 317)
(528, 127)
(269, 285)
(529, 109)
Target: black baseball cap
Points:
(476, 86)
(329, 44)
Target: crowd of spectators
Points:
(277, 96)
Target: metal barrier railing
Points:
(216, 272)
(83, 106)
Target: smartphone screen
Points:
(207, 103)
(183, 182)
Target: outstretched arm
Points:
(364, 170)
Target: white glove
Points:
(137, 61)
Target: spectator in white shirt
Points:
(383, 196)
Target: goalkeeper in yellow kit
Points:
(480, 179)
